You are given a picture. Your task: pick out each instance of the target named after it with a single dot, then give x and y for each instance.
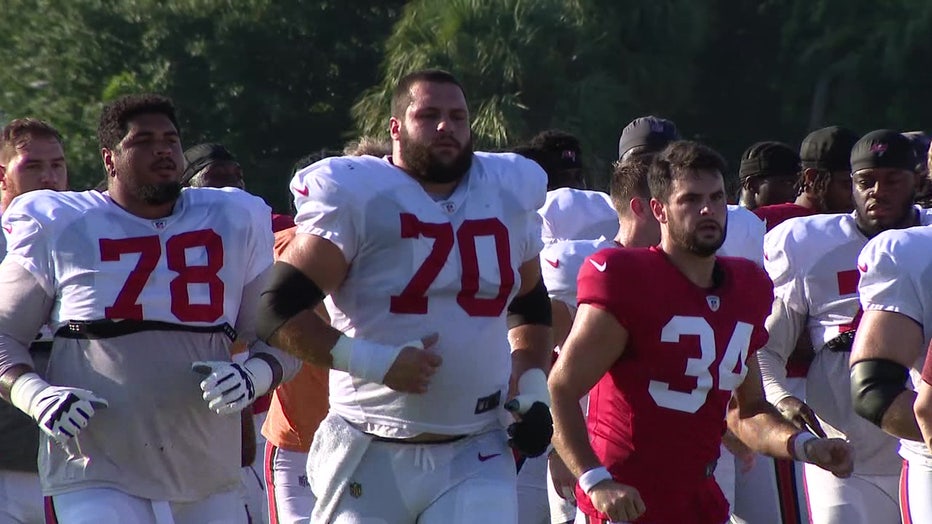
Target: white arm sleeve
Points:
(24, 308)
(784, 326)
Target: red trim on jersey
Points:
(904, 494)
(786, 491)
(50, 516)
(267, 464)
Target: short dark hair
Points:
(20, 131)
(115, 117)
(313, 158)
(629, 180)
(401, 96)
(675, 160)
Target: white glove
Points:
(230, 387)
(61, 412)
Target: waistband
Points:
(841, 343)
(97, 329)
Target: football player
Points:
(145, 288)
(429, 260)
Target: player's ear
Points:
(660, 213)
(107, 156)
(394, 128)
(3, 178)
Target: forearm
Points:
(307, 337)
(570, 438)
(761, 427)
(531, 347)
(900, 420)
(784, 326)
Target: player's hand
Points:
(564, 482)
(414, 366)
(831, 454)
(63, 412)
(531, 434)
(229, 387)
(745, 456)
(801, 415)
(619, 502)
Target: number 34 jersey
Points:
(419, 266)
(658, 415)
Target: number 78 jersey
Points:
(420, 266)
(659, 412)
(101, 262)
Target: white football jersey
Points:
(560, 262)
(895, 276)
(744, 236)
(577, 214)
(813, 263)
(157, 439)
(420, 266)
(179, 266)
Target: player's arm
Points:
(531, 339)
(923, 404)
(886, 346)
(596, 340)
(562, 321)
(759, 425)
(309, 269)
(24, 307)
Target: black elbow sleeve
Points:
(532, 307)
(875, 384)
(288, 293)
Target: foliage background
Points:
(276, 79)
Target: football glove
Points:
(531, 434)
(229, 387)
(61, 412)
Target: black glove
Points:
(531, 435)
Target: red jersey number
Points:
(413, 299)
(150, 251)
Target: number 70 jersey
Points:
(420, 265)
(661, 406)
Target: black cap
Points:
(768, 159)
(651, 131)
(883, 148)
(828, 148)
(202, 155)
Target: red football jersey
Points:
(657, 417)
(775, 214)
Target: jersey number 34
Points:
(728, 377)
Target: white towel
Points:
(335, 454)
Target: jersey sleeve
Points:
(601, 284)
(888, 280)
(326, 208)
(261, 236)
(29, 238)
(559, 274)
(761, 301)
(526, 182)
(784, 271)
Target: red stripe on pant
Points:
(904, 494)
(50, 517)
(268, 464)
(786, 491)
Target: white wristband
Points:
(261, 374)
(24, 391)
(589, 479)
(366, 360)
(799, 445)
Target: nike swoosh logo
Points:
(863, 268)
(600, 267)
(303, 191)
(8, 229)
(483, 458)
(554, 263)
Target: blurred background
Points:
(275, 80)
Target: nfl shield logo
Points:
(448, 207)
(158, 224)
(355, 489)
(713, 302)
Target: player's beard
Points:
(158, 194)
(691, 241)
(421, 163)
